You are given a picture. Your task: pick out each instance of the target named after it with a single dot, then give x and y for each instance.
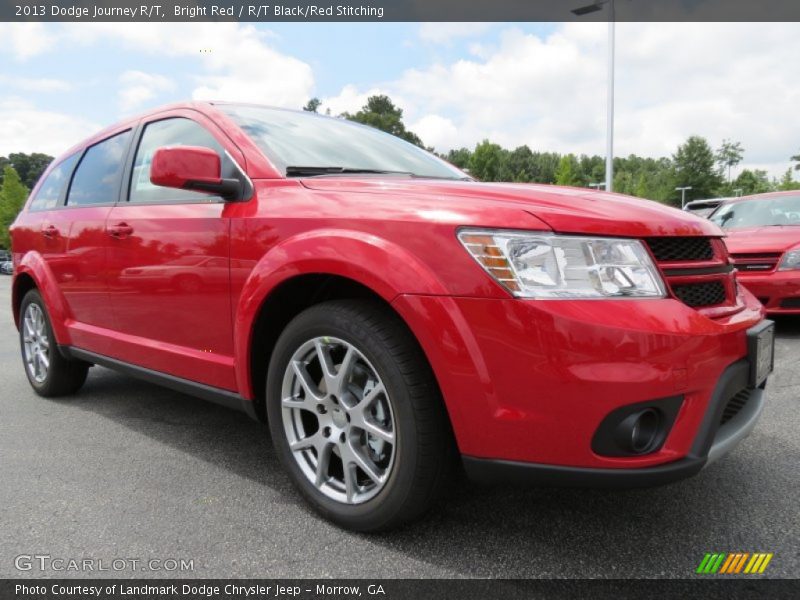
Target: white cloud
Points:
(137, 87)
(718, 80)
(29, 129)
(435, 130)
(237, 63)
(25, 40)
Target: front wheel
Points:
(356, 416)
(49, 373)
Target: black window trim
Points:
(125, 160)
(127, 175)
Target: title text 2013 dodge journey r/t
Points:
(388, 316)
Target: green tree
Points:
(796, 159)
(381, 113)
(312, 105)
(29, 167)
(486, 162)
(459, 158)
(12, 196)
(729, 154)
(787, 182)
(569, 171)
(694, 166)
(752, 182)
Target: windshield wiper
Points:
(296, 171)
(314, 171)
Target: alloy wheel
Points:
(36, 343)
(338, 420)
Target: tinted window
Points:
(97, 177)
(169, 132)
(50, 191)
(301, 139)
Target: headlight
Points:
(790, 261)
(541, 265)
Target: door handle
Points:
(50, 231)
(120, 230)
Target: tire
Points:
(403, 478)
(61, 376)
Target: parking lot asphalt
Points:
(126, 469)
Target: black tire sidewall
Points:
(390, 501)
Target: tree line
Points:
(695, 163)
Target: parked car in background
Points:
(6, 267)
(389, 315)
(763, 238)
(703, 208)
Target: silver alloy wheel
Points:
(338, 420)
(36, 343)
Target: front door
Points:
(168, 265)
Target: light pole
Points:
(585, 10)
(682, 190)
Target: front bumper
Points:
(778, 291)
(714, 440)
(530, 381)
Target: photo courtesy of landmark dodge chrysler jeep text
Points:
(390, 318)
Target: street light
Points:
(579, 12)
(682, 190)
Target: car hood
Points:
(762, 239)
(563, 209)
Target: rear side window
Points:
(170, 132)
(96, 181)
(50, 191)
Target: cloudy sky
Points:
(538, 84)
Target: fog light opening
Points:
(645, 430)
(639, 432)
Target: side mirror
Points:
(192, 168)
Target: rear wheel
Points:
(356, 417)
(49, 373)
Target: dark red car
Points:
(390, 317)
(763, 237)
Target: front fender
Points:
(380, 265)
(34, 266)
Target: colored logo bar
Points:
(732, 563)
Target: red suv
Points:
(387, 315)
(763, 237)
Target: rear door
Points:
(93, 190)
(169, 262)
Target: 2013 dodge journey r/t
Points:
(387, 315)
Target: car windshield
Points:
(761, 212)
(306, 144)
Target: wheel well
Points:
(23, 283)
(282, 305)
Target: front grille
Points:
(790, 303)
(670, 249)
(699, 295)
(734, 405)
(755, 261)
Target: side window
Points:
(50, 191)
(97, 177)
(170, 132)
